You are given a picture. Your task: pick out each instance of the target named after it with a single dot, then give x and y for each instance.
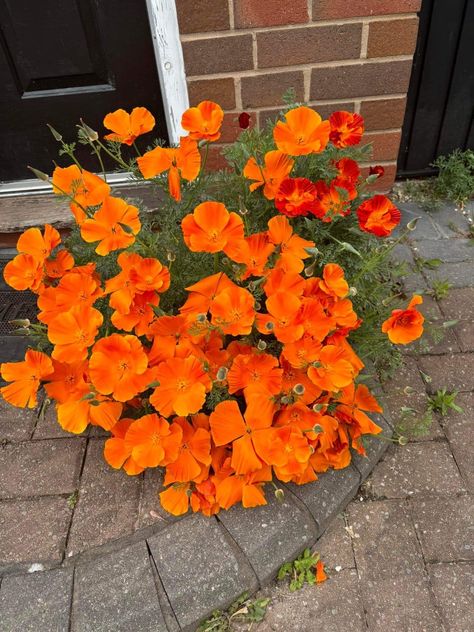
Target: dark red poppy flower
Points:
(244, 120)
(376, 170)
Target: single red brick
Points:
(231, 129)
(329, 9)
(325, 110)
(385, 145)
(308, 45)
(360, 80)
(383, 114)
(250, 13)
(206, 15)
(219, 54)
(392, 37)
(215, 158)
(268, 90)
(385, 183)
(222, 91)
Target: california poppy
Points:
(37, 244)
(183, 383)
(304, 132)
(346, 128)
(331, 371)
(25, 378)
(180, 162)
(73, 331)
(295, 196)
(233, 311)
(202, 294)
(378, 216)
(119, 366)
(293, 248)
(333, 281)
(204, 121)
(194, 454)
(24, 272)
(353, 401)
(277, 166)
(255, 369)
(331, 201)
(376, 170)
(76, 413)
(139, 316)
(211, 227)
(56, 267)
(152, 441)
(405, 325)
(296, 452)
(127, 127)
(248, 488)
(114, 226)
(282, 319)
(252, 252)
(86, 188)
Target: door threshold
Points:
(34, 186)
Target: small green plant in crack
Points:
(413, 424)
(440, 289)
(443, 401)
(244, 610)
(306, 569)
(430, 264)
(72, 499)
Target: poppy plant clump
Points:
(222, 336)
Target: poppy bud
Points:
(171, 256)
(298, 389)
(243, 210)
(201, 318)
(20, 322)
(285, 400)
(261, 345)
(57, 135)
(377, 170)
(402, 440)
(244, 120)
(89, 133)
(280, 495)
(412, 224)
(309, 270)
(318, 429)
(39, 174)
(88, 396)
(352, 291)
(154, 384)
(318, 408)
(222, 373)
(269, 326)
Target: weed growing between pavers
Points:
(306, 569)
(443, 402)
(244, 610)
(223, 336)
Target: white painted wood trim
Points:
(169, 60)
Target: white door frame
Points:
(170, 64)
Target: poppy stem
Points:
(136, 148)
(216, 262)
(118, 160)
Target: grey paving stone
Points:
(414, 283)
(402, 252)
(108, 503)
(453, 372)
(16, 424)
(464, 332)
(444, 526)
(327, 496)
(38, 468)
(201, 569)
(38, 602)
(446, 216)
(393, 583)
(13, 347)
(459, 274)
(150, 510)
(334, 546)
(417, 469)
(406, 388)
(453, 586)
(434, 320)
(33, 530)
(116, 593)
(459, 429)
(375, 446)
(448, 250)
(272, 534)
(458, 304)
(49, 428)
(333, 606)
(426, 228)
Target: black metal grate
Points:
(14, 305)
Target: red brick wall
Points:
(336, 54)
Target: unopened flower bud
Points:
(171, 256)
(56, 134)
(90, 133)
(316, 364)
(39, 174)
(201, 318)
(408, 390)
(285, 400)
(318, 429)
(222, 373)
(318, 408)
(261, 345)
(352, 291)
(270, 326)
(20, 322)
(257, 306)
(154, 384)
(310, 270)
(412, 223)
(280, 495)
(242, 208)
(298, 389)
(88, 396)
(402, 440)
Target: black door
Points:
(439, 116)
(61, 60)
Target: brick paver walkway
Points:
(401, 557)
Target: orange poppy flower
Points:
(86, 188)
(24, 272)
(139, 316)
(280, 280)
(252, 438)
(119, 366)
(293, 377)
(183, 386)
(346, 128)
(152, 441)
(203, 293)
(74, 415)
(296, 196)
(204, 121)
(282, 319)
(78, 287)
(320, 572)
(203, 498)
(277, 166)
(331, 371)
(25, 378)
(296, 452)
(300, 418)
(348, 175)
(72, 332)
(352, 402)
(56, 267)
(169, 334)
(194, 454)
(67, 381)
(39, 245)
(114, 226)
(333, 281)
(180, 162)
(233, 311)
(302, 352)
(405, 325)
(211, 227)
(247, 488)
(293, 248)
(331, 201)
(304, 132)
(252, 252)
(127, 127)
(378, 216)
(118, 453)
(175, 499)
(255, 369)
